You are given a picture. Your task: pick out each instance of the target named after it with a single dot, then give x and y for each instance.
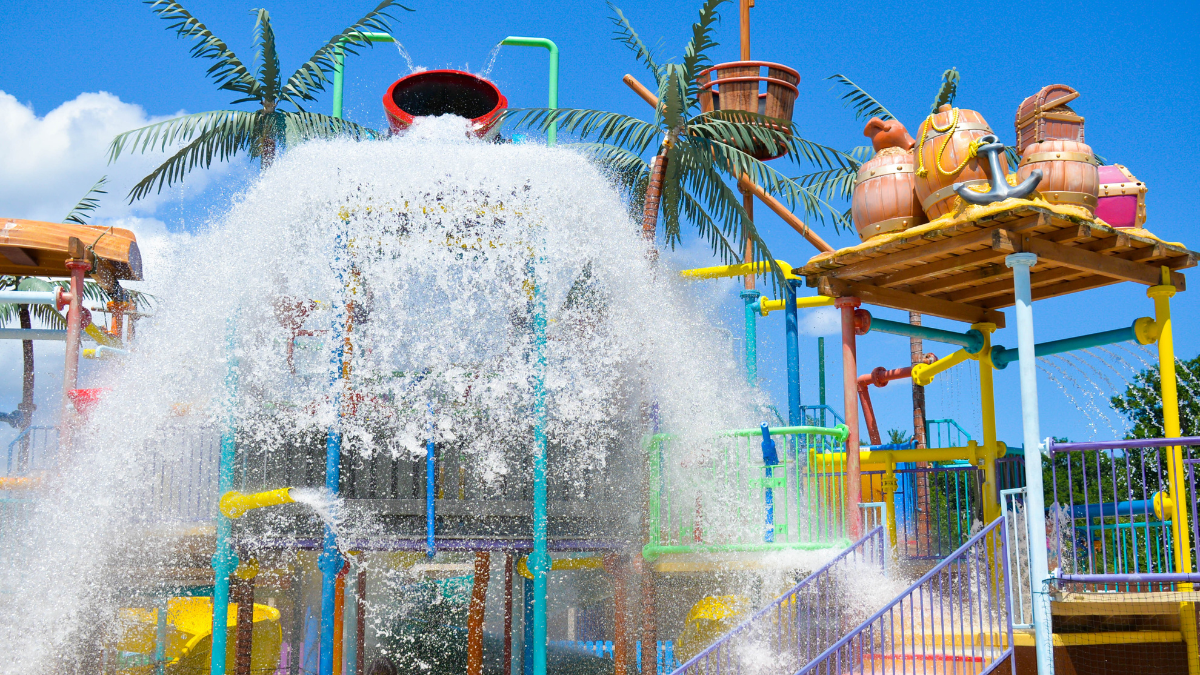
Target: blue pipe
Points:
(972, 340)
(792, 338)
(770, 458)
(1141, 507)
(430, 494)
(1002, 356)
(750, 298)
(225, 560)
(330, 561)
(539, 560)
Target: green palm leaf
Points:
(88, 203)
(604, 127)
(303, 126)
(708, 229)
(695, 55)
(947, 91)
(626, 34)
(237, 131)
(752, 128)
(865, 106)
(268, 60)
(228, 71)
(161, 135)
(673, 93)
(311, 77)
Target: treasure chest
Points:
(1045, 116)
(1122, 201)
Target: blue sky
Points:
(1135, 66)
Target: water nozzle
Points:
(235, 504)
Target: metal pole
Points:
(225, 560)
(1035, 507)
(539, 561)
(330, 561)
(792, 338)
(850, 398)
(515, 41)
(821, 375)
(750, 298)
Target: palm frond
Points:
(9, 313)
(837, 183)
(865, 106)
(311, 77)
(629, 171)
(604, 127)
(228, 71)
(626, 34)
(947, 91)
(695, 55)
(240, 131)
(268, 59)
(161, 135)
(673, 93)
(89, 203)
(708, 229)
(302, 126)
(747, 130)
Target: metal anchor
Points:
(1000, 189)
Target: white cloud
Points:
(820, 321)
(51, 161)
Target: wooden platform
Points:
(954, 267)
(32, 248)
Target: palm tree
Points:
(221, 134)
(695, 153)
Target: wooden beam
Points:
(888, 297)
(1096, 263)
(18, 256)
(916, 253)
(1069, 234)
(1065, 288)
(1149, 253)
(1002, 245)
(946, 284)
(1006, 285)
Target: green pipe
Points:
(225, 560)
(821, 367)
(339, 58)
(750, 298)
(515, 41)
(840, 432)
(1002, 356)
(650, 552)
(972, 340)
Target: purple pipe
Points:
(1129, 578)
(449, 544)
(1120, 445)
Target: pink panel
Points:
(1118, 211)
(1111, 174)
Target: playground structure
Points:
(801, 494)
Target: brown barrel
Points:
(1069, 172)
(935, 189)
(884, 200)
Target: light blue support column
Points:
(430, 495)
(330, 561)
(160, 636)
(1035, 507)
(792, 336)
(750, 298)
(225, 560)
(539, 561)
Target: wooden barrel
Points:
(735, 86)
(1069, 172)
(884, 199)
(949, 133)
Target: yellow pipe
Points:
(987, 402)
(235, 504)
(923, 373)
(768, 306)
(888, 487)
(972, 452)
(739, 270)
(589, 563)
(1166, 365)
(101, 336)
(19, 482)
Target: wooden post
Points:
(242, 592)
(748, 205)
(744, 19)
(475, 613)
(360, 620)
(850, 397)
(649, 620)
(508, 612)
(616, 571)
(339, 617)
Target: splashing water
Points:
(326, 505)
(490, 62)
(411, 267)
(407, 59)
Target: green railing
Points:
(945, 434)
(718, 495)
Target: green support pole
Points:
(750, 298)
(515, 41)
(339, 75)
(821, 370)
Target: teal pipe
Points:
(972, 340)
(539, 561)
(750, 297)
(160, 637)
(821, 361)
(225, 560)
(515, 41)
(1002, 356)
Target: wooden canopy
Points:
(36, 249)
(954, 267)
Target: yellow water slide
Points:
(189, 637)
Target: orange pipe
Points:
(475, 613)
(864, 397)
(339, 606)
(640, 89)
(850, 328)
(782, 211)
(613, 564)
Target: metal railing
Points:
(945, 434)
(723, 496)
(34, 449)
(786, 634)
(936, 507)
(604, 649)
(955, 618)
(1111, 511)
(1019, 589)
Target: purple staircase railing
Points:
(784, 635)
(957, 618)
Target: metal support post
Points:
(1035, 506)
(225, 560)
(792, 339)
(987, 402)
(848, 307)
(750, 298)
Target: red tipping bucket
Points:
(86, 399)
(444, 92)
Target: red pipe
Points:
(360, 621)
(475, 613)
(880, 377)
(78, 266)
(612, 563)
(508, 612)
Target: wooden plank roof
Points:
(33, 248)
(954, 268)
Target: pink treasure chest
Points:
(1122, 201)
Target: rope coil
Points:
(948, 132)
